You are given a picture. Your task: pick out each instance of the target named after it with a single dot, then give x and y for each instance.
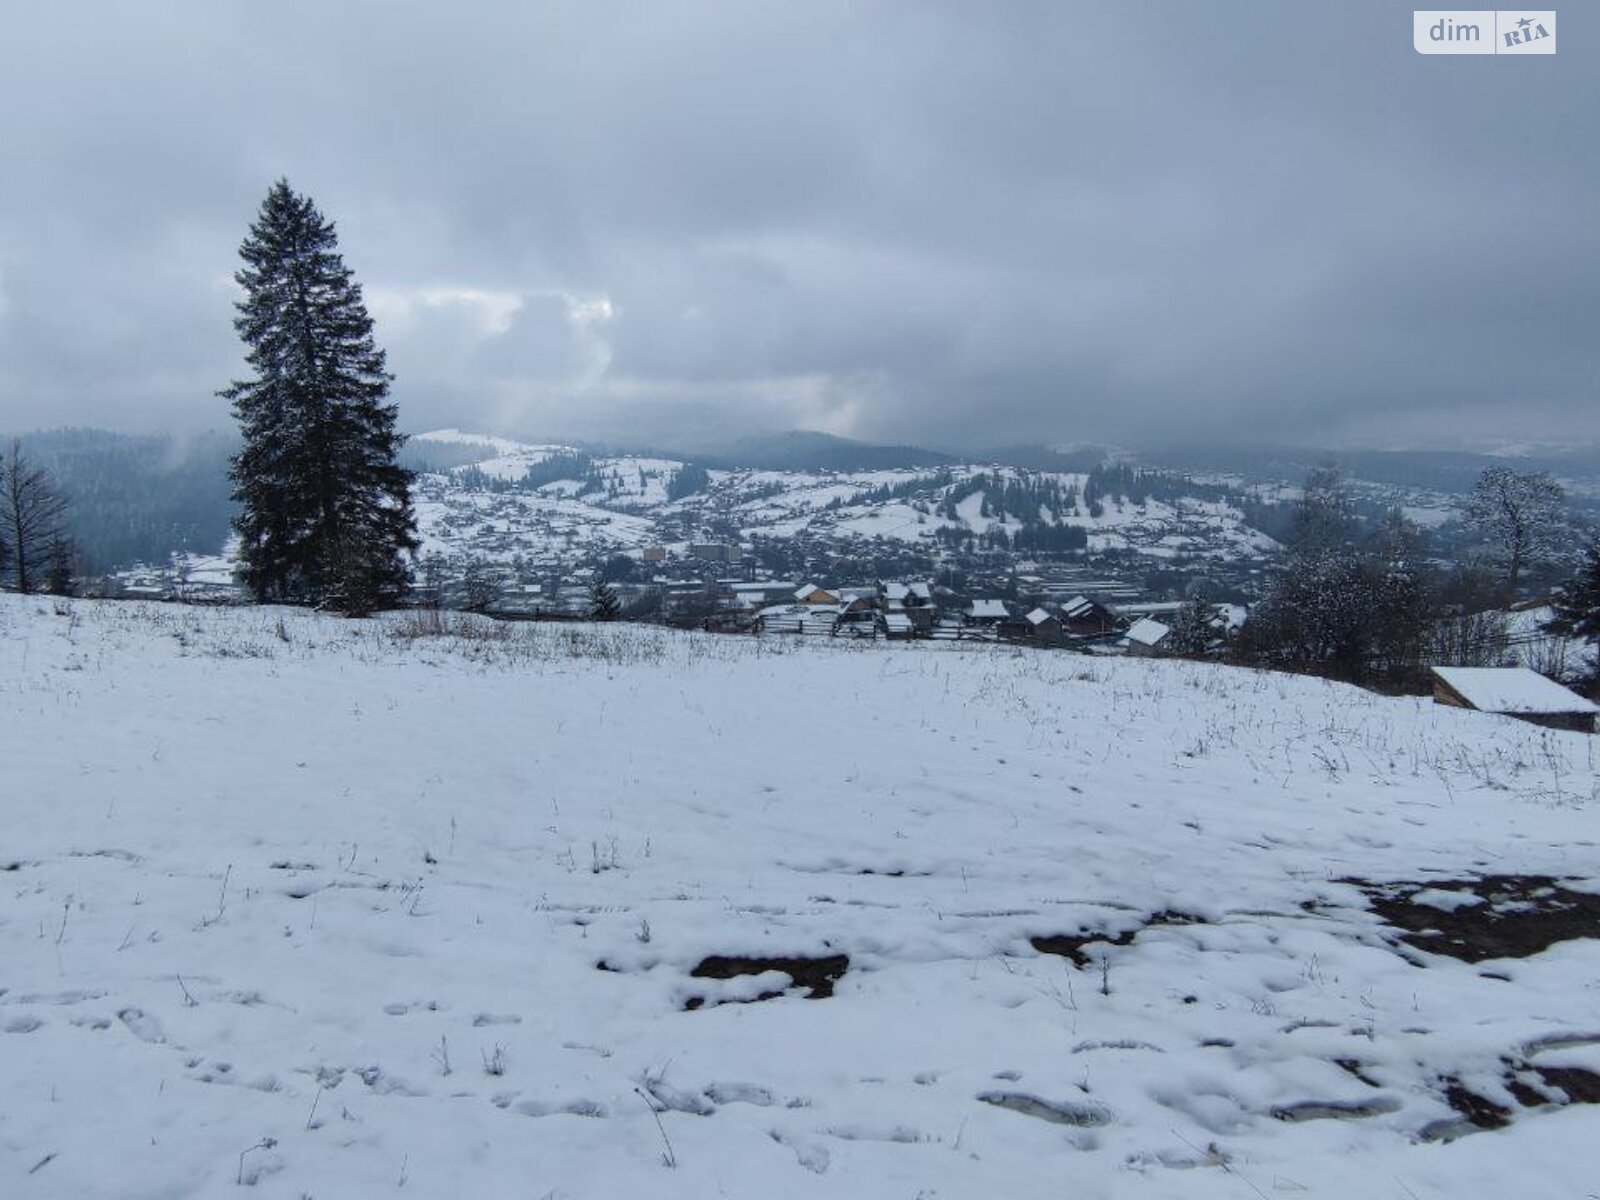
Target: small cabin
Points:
(1145, 636)
(988, 612)
(812, 594)
(1083, 617)
(1044, 625)
(1514, 692)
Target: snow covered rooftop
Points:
(989, 608)
(776, 588)
(1512, 690)
(1146, 632)
(1039, 616)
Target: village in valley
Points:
(1087, 551)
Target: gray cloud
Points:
(942, 223)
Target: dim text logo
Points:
(1484, 31)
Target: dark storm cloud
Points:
(938, 222)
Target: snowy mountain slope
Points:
(337, 911)
(912, 505)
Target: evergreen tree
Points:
(690, 479)
(1577, 603)
(603, 603)
(325, 507)
(1194, 630)
(61, 577)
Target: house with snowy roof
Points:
(1083, 617)
(897, 625)
(1145, 636)
(751, 595)
(1514, 692)
(1043, 625)
(988, 612)
(858, 599)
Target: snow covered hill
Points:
(622, 503)
(341, 909)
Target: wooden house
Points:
(1044, 625)
(1083, 617)
(897, 625)
(1514, 692)
(988, 612)
(1145, 636)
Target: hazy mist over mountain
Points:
(940, 225)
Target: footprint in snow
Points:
(22, 1024)
(676, 1099)
(1059, 1112)
(553, 1108)
(902, 1135)
(813, 1156)
(142, 1025)
(741, 1093)
(68, 997)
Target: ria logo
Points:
(1529, 30)
(1484, 31)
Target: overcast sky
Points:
(952, 224)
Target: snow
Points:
(637, 486)
(1446, 900)
(283, 893)
(1147, 631)
(1512, 690)
(504, 447)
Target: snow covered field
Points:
(326, 909)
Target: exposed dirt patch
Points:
(818, 974)
(1498, 916)
(1579, 1085)
(1354, 1067)
(1343, 1110)
(1072, 945)
(1478, 1110)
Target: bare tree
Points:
(31, 512)
(1522, 513)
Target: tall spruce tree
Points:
(1577, 602)
(325, 509)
